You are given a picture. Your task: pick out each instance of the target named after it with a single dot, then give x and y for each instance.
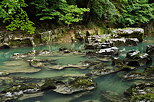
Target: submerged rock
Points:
(129, 33)
(150, 50)
(141, 92)
(18, 66)
(31, 53)
(41, 62)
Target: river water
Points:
(112, 83)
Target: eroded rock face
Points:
(17, 38)
(4, 46)
(2, 74)
(98, 45)
(101, 72)
(141, 92)
(124, 41)
(135, 58)
(150, 50)
(31, 53)
(147, 74)
(18, 90)
(129, 33)
(108, 51)
(70, 86)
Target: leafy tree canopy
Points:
(137, 12)
(58, 10)
(12, 13)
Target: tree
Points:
(103, 9)
(137, 12)
(14, 16)
(59, 10)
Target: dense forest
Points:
(29, 14)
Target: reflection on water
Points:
(112, 83)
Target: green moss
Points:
(82, 82)
(149, 71)
(49, 84)
(21, 87)
(145, 97)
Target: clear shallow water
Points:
(112, 83)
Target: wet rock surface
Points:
(108, 51)
(17, 90)
(4, 46)
(123, 41)
(135, 58)
(141, 92)
(150, 50)
(31, 53)
(70, 86)
(129, 33)
(147, 74)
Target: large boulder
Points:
(108, 51)
(123, 41)
(129, 33)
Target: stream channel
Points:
(112, 83)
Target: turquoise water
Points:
(113, 83)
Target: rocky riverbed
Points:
(80, 72)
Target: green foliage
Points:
(14, 16)
(137, 12)
(104, 9)
(58, 10)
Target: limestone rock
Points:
(129, 33)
